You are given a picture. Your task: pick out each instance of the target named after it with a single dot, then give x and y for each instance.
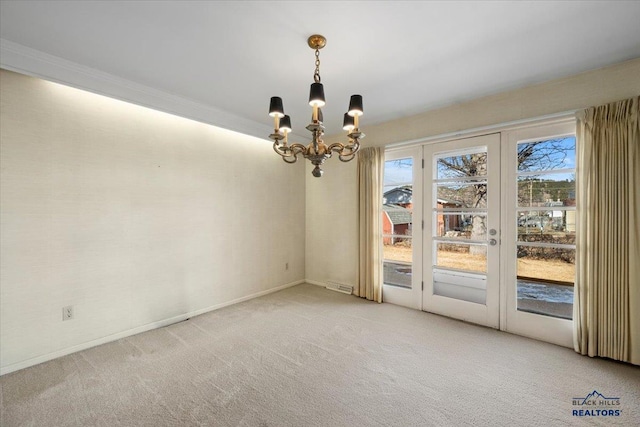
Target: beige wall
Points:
(331, 223)
(138, 218)
(133, 216)
(570, 93)
(336, 196)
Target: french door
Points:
(462, 229)
(401, 227)
(540, 222)
(482, 229)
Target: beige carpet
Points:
(306, 356)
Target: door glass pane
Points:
(462, 165)
(456, 195)
(398, 173)
(463, 226)
(545, 190)
(548, 226)
(397, 274)
(547, 299)
(463, 257)
(397, 222)
(545, 266)
(557, 265)
(548, 154)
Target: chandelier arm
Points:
(293, 159)
(281, 149)
(289, 154)
(352, 150)
(337, 147)
(297, 148)
(345, 148)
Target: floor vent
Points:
(339, 287)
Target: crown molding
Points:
(32, 62)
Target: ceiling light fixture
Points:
(317, 151)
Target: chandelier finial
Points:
(317, 41)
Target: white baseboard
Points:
(315, 282)
(144, 328)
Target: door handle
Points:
(493, 242)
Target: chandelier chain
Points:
(316, 75)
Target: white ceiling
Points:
(403, 57)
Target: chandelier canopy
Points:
(317, 151)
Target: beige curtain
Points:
(607, 293)
(370, 170)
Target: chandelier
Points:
(317, 151)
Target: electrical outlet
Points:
(67, 312)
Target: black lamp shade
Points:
(285, 123)
(275, 107)
(347, 123)
(316, 95)
(355, 106)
